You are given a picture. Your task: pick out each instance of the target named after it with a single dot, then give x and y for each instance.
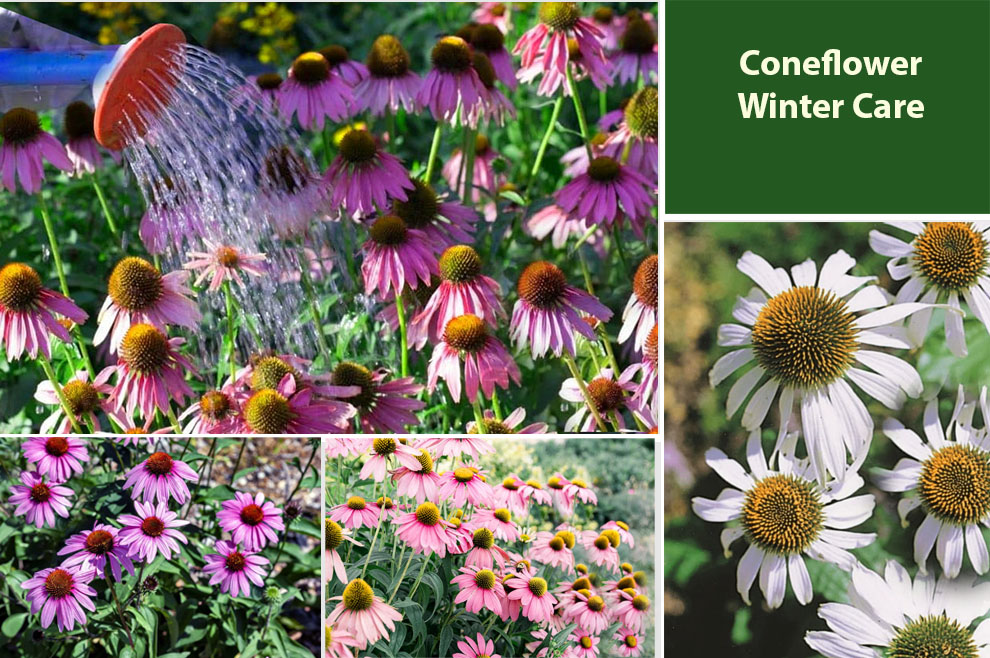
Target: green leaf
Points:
(740, 626)
(12, 624)
(446, 635)
(682, 559)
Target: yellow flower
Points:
(269, 19)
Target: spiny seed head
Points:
(641, 602)
(285, 171)
(40, 493)
(268, 81)
(641, 113)
(556, 544)
(640, 578)
(385, 503)
(559, 15)
(19, 126)
(537, 586)
(952, 255)
(601, 542)
(451, 55)
(268, 372)
(491, 426)
(384, 446)
(458, 513)
(58, 584)
(56, 446)
(358, 595)
(578, 482)
(510, 484)
(455, 521)
(252, 514)
(534, 484)
(153, 526)
(568, 537)
(135, 284)
(235, 562)
(487, 38)
(626, 582)
(463, 474)
(955, 484)
(467, 333)
(586, 641)
(428, 514)
(630, 641)
(623, 525)
(99, 542)
(485, 579)
(646, 282)
(20, 287)
(460, 264)
(782, 514)
(603, 15)
(639, 37)
(804, 337)
(420, 208)
(149, 584)
(613, 537)
(466, 31)
(603, 169)
(335, 54)
(334, 533)
(581, 584)
(268, 412)
(596, 603)
(933, 636)
(272, 594)
(358, 146)
(387, 59)
(389, 230)
(503, 515)
(607, 394)
(651, 349)
(144, 349)
(214, 405)
(348, 373)
(542, 284)
(626, 567)
(311, 69)
(78, 120)
(481, 144)
(228, 256)
(356, 503)
(425, 461)
(483, 538)
(160, 463)
(483, 67)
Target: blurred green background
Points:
(703, 613)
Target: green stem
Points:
(326, 145)
(398, 584)
(314, 309)
(175, 421)
(237, 462)
(231, 329)
(569, 360)
(496, 407)
(53, 243)
(46, 365)
(120, 611)
(268, 619)
(419, 578)
(602, 103)
(302, 475)
(579, 108)
(434, 149)
(403, 335)
(390, 129)
(374, 539)
(469, 168)
(543, 143)
(111, 224)
(479, 417)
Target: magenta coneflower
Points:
(381, 450)
(286, 410)
(314, 92)
(463, 289)
(647, 392)
(533, 490)
(390, 84)
(445, 223)
(489, 40)
(351, 71)
(486, 361)
(82, 398)
(606, 21)
(24, 144)
(498, 520)
(490, 425)
(492, 13)
(532, 592)
(507, 494)
(27, 313)
(424, 530)
(355, 513)
(492, 104)
(632, 610)
(558, 21)
(98, 549)
(154, 530)
(252, 522)
(223, 262)
(82, 147)
(139, 293)
(364, 177)
(585, 644)
(451, 82)
(547, 313)
(150, 372)
(484, 180)
(551, 550)
(552, 220)
(636, 137)
(465, 484)
(602, 553)
(480, 588)
(483, 553)
(338, 643)
(39, 501)
(609, 396)
(629, 644)
(363, 614)
(232, 568)
(61, 594)
(480, 648)
(420, 485)
(293, 192)
(382, 406)
(606, 193)
(640, 314)
(159, 477)
(333, 564)
(576, 160)
(455, 447)
(579, 489)
(589, 612)
(637, 55)
(396, 256)
(55, 456)
(261, 89)
(215, 413)
(170, 220)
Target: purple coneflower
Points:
(292, 192)
(82, 398)
(492, 13)
(232, 568)
(57, 457)
(558, 21)
(492, 103)
(390, 84)
(486, 361)
(640, 314)
(396, 256)
(489, 40)
(636, 136)
(363, 176)
(252, 522)
(24, 144)
(484, 180)
(606, 192)
(356, 512)
(39, 501)
(638, 54)
(154, 530)
(223, 262)
(98, 549)
(351, 71)
(466, 484)
(451, 82)
(215, 413)
(82, 147)
(287, 409)
(382, 406)
(261, 89)
(508, 425)
(445, 223)
(608, 23)
(160, 476)
(647, 392)
(27, 311)
(171, 219)
(609, 396)
(150, 372)
(60, 594)
(314, 92)
(363, 614)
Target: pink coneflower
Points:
(637, 55)
(424, 530)
(343, 446)
(314, 92)
(232, 568)
(384, 448)
(445, 223)
(601, 552)
(558, 21)
(576, 160)
(388, 508)
(489, 40)
(98, 549)
(39, 501)
(463, 289)
(266, 370)
(492, 13)
(215, 413)
(465, 484)
(27, 313)
(223, 262)
(152, 531)
(552, 220)
(363, 614)
(451, 82)
(82, 396)
(333, 564)
(551, 550)
(623, 529)
(382, 406)
(532, 592)
(288, 410)
(139, 293)
(609, 396)
(562, 496)
(455, 447)
(159, 477)
(606, 193)
(480, 588)
(150, 372)
(600, 71)
(636, 137)
(420, 485)
(585, 645)
(61, 594)
(338, 643)
(484, 554)
(508, 494)
(486, 361)
(351, 71)
(261, 89)
(608, 23)
(632, 610)
(484, 180)
(579, 489)
(546, 315)
(489, 424)
(589, 612)
(492, 104)
(460, 539)
(252, 522)
(396, 256)
(55, 456)
(647, 392)
(640, 314)
(293, 192)
(170, 220)
(498, 520)
(480, 648)
(355, 513)
(82, 147)
(628, 644)
(390, 84)
(533, 491)
(363, 176)
(24, 144)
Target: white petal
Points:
(724, 508)
(785, 405)
(741, 390)
(728, 364)
(732, 335)
(906, 439)
(773, 580)
(910, 291)
(749, 566)
(835, 646)
(821, 550)
(899, 270)
(804, 274)
(846, 540)
(762, 273)
(979, 304)
(729, 469)
(949, 549)
(933, 426)
(874, 589)
(850, 512)
(854, 624)
(918, 324)
(827, 454)
(881, 388)
(756, 410)
(892, 368)
(800, 580)
(748, 308)
(852, 414)
(888, 315)
(911, 227)
(981, 635)
(899, 581)
(924, 539)
(833, 269)
(728, 536)
(890, 336)
(976, 547)
(755, 457)
(955, 336)
(887, 245)
(923, 594)
(905, 506)
(868, 297)
(903, 477)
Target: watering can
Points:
(45, 68)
